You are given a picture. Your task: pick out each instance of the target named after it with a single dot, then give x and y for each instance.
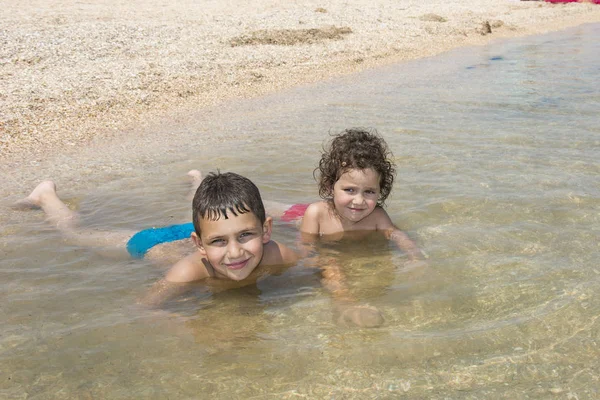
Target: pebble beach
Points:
(75, 71)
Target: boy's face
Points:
(356, 193)
(234, 246)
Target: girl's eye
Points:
(349, 190)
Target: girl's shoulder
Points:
(381, 218)
(380, 211)
(317, 208)
(313, 218)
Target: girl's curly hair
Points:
(355, 149)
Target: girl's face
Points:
(355, 194)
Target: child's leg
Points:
(195, 180)
(67, 221)
(44, 196)
(276, 209)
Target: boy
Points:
(233, 237)
(230, 231)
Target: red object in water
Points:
(572, 1)
(294, 212)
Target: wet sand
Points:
(71, 72)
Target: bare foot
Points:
(34, 200)
(196, 179)
(196, 176)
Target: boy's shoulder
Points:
(276, 253)
(191, 268)
(169, 253)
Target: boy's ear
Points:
(198, 242)
(267, 230)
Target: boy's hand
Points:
(161, 292)
(363, 316)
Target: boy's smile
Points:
(355, 194)
(234, 245)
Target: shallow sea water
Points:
(497, 151)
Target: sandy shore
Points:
(73, 71)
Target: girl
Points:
(355, 176)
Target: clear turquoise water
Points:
(497, 150)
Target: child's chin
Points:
(355, 217)
(240, 274)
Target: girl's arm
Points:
(347, 309)
(405, 243)
(401, 239)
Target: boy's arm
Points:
(176, 282)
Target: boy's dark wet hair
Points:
(220, 195)
(356, 149)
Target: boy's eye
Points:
(217, 242)
(246, 235)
